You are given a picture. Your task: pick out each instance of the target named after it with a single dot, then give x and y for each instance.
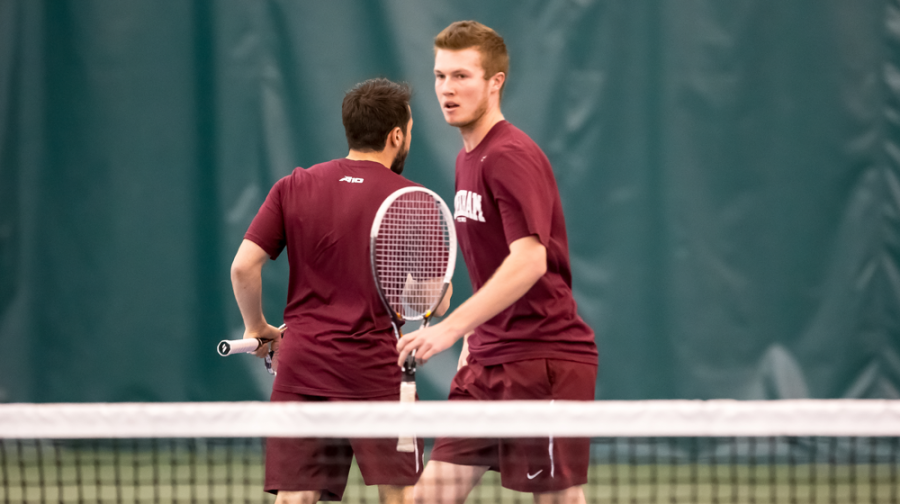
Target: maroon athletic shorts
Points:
(525, 464)
(298, 464)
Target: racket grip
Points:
(248, 345)
(407, 395)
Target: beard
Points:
(399, 161)
(479, 112)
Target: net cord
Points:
(843, 417)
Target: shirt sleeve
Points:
(519, 183)
(267, 228)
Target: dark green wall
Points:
(729, 172)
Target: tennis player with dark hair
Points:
(339, 343)
(523, 337)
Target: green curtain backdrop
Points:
(730, 173)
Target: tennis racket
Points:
(413, 252)
(248, 345)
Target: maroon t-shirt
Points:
(339, 340)
(505, 190)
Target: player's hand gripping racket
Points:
(248, 345)
(413, 252)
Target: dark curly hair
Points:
(371, 110)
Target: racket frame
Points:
(408, 380)
(451, 258)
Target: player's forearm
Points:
(248, 293)
(246, 281)
(522, 268)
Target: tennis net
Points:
(641, 452)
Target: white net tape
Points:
(434, 418)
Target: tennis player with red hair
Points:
(523, 337)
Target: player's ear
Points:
(396, 137)
(497, 81)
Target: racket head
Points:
(413, 252)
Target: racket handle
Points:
(248, 345)
(407, 395)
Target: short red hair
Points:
(465, 34)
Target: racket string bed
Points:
(412, 250)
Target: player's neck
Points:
(385, 157)
(474, 133)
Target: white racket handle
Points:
(407, 395)
(247, 345)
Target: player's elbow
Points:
(237, 272)
(530, 257)
(538, 262)
(248, 262)
(241, 270)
